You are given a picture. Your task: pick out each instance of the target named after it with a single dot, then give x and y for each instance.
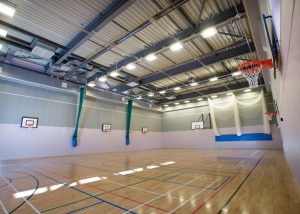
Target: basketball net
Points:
(250, 70)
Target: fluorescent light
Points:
(152, 167)
(166, 105)
(30, 192)
(176, 103)
(213, 79)
(132, 84)
(247, 90)
(208, 32)
(139, 98)
(162, 92)
(193, 84)
(187, 101)
(200, 99)
(7, 10)
(130, 66)
(214, 96)
(55, 187)
(176, 46)
(237, 73)
(89, 180)
(177, 88)
(150, 94)
(229, 94)
(102, 79)
(114, 74)
(92, 84)
(151, 57)
(3, 32)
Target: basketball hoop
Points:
(250, 70)
(270, 114)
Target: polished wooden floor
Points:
(151, 181)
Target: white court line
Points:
(208, 186)
(33, 207)
(3, 207)
(165, 193)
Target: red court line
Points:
(214, 194)
(112, 193)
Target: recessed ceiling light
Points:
(208, 32)
(151, 94)
(213, 79)
(114, 74)
(3, 32)
(237, 73)
(92, 84)
(162, 92)
(151, 57)
(200, 99)
(176, 46)
(214, 96)
(187, 101)
(229, 94)
(247, 90)
(193, 84)
(7, 10)
(130, 66)
(102, 79)
(166, 105)
(177, 88)
(176, 103)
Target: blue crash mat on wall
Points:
(244, 137)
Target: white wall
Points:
(46, 141)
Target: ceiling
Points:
(85, 41)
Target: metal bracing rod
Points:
(218, 19)
(129, 34)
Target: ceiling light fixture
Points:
(166, 105)
(3, 32)
(177, 88)
(187, 101)
(114, 74)
(213, 79)
(151, 94)
(247, 90)
(102, 79)
(151, 57)
(162, 92)
(7, 10)
(92, 84)
(176, 103)
(139, 98)
(193, 84)
(176, 46)
(130, 66)
(200, 99)
(214, 96)
(229, 94)
(237, 73)
(208, 32)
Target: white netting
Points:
(252, 78)
(251, 71)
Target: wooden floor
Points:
(151, 181)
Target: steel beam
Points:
(218, 56)
(182, 35)
(145, 24)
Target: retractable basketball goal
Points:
(250, 70)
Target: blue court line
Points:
(83, 208)
(79, 190)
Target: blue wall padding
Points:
(244, 137)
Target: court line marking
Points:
(213, 195)
(200, 192)
(84, 192)
(147, 202)
(83, 208)
(3, 207)
(33, 207)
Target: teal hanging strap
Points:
(74, 139)
(129, 110)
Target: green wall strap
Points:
(129, 110)
(74, 139)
